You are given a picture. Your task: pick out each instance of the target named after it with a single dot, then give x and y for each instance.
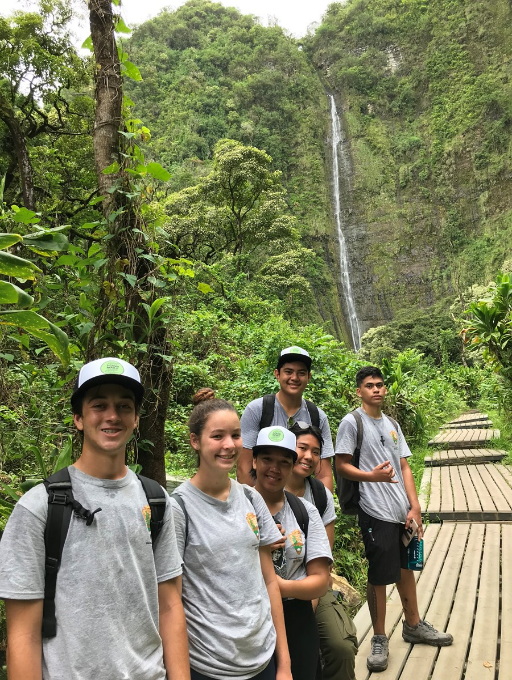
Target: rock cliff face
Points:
(424, 92)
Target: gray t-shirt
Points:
(106, 601)
(330, 513)
(381, 500)
(229, 623)
(299, 550)
(251, 417)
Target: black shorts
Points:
(383, 547)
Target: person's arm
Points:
(244, 467)
(410, 490)
(24, 640)
(283, 664)
(329, 530)
(173, 629)
(381, 473)
(314, 585)
(324, 473)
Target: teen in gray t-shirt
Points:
(99, 592)
(381, 442)
(230, 628)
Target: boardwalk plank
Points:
(465, 456)
(506, 603)
(450, 661)
(485, 632)
(464, 438)
(421, 659)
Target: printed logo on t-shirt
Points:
(146, 513)
(394, 437)
(253, 523)
(295, 539)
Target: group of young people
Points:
(233, 578)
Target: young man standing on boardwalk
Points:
(388, 502)
(116, 610)
(293, 373)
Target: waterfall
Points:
(340, 157)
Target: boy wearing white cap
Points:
(116, 610)
(286, 407)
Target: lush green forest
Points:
(169, 202)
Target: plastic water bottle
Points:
(415, 554)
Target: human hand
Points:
(284, 674)
(415, 514)
(384, 473)
(279, 544)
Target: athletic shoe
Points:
(378, 659)
(426, 634)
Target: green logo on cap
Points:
(295, 350)
(276, 436)
(112, 367)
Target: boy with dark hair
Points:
(388, 503)
(293, 373)
(118, 610)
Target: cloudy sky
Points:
(293, 15)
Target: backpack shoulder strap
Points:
(393, 421)
(319, 495)
(299, 510)
(314, 413)
(267, 410)
(156, 500)
(359, 440)
(60, 509)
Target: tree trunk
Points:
(109, 97)
(8, 116)
(155, 375)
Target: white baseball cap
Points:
(294, 353)
(108, 370)
(276, 437)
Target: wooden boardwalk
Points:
(466, 589)
(464, 456)
(470, 425)
(471, 417)
(464, 438)
(476, 493)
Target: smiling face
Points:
(273, 467)
(308, 455)
(220, 441)
(108, 419)
(293, 378)
(372, 391)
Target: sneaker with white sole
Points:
(425, 633)
(378, 659)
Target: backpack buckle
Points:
(58, 498)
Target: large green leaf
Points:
(64, 459)
(41, 328)
(25, 216)
(47, 241)
(158, 172)
(12, 265)
(8, 240)
(12, 295)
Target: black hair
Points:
(368, 372)
(298, 431)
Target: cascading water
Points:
(340, 157)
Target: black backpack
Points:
(267, 411)
(347, 490)
(61, 505)
(319, 495)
